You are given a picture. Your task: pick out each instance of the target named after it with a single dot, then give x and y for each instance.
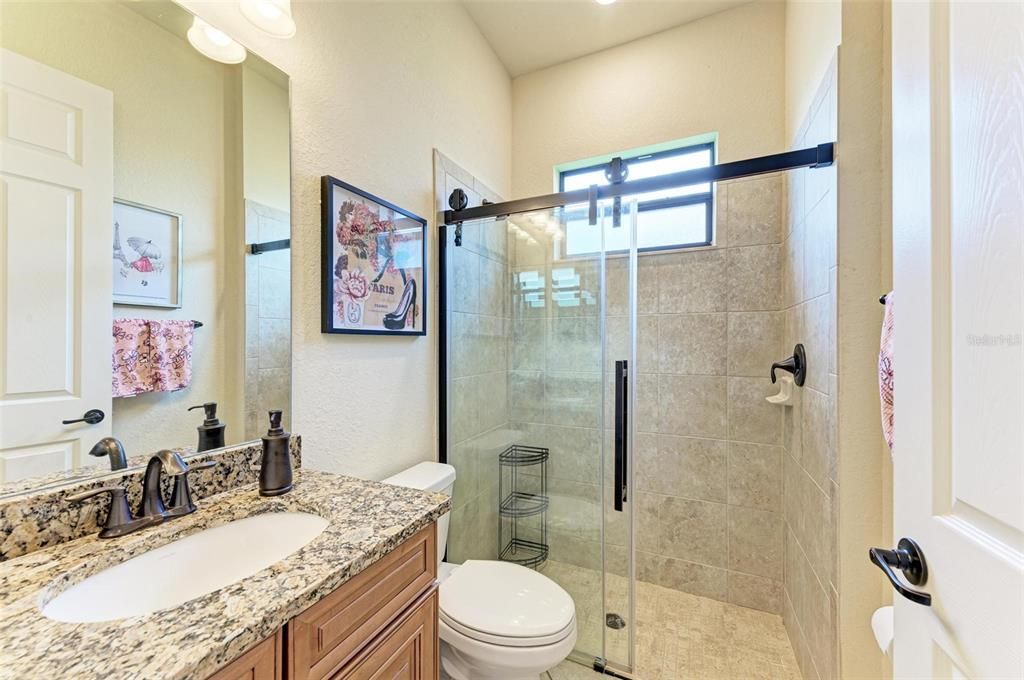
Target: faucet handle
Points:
(795, 364)
(181, 495)
(201, 466)
(115, 492)
(119, 518)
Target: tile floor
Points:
(679, 636)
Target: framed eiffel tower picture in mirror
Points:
(374, 269)
(146, 256)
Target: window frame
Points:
(707, 198)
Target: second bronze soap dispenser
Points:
(276, 467)
(211, 432)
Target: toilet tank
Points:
(437, 477)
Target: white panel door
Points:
(56, 193)
(958, 226)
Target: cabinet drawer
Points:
(329, 634)
(262, 662)
(406, 651)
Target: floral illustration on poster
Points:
(374, 257)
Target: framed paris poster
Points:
(374, 264)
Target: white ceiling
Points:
(532, 34)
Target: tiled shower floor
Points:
(679, 636)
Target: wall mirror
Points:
(145, 191)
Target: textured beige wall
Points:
(375, 87)
(723, 73)
(811, 480)
(865, 256)
(172, 150)
(813, 29)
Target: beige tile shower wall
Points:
(708, 445)
(268, 309)
(708, 454)
(478, 427)
(810, 470)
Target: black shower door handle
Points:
(621, 428)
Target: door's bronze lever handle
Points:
(908, 558)
(92, 416)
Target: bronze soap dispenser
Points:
(276, 468)
(211, 432)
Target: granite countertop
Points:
(367, 521)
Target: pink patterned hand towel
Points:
(885, 370)
(132, 373)
(171, 354)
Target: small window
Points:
(673, 218)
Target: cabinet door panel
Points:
(407, 651)
(262, 662)
(329, 634)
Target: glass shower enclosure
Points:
(537, 350)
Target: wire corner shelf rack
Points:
(523, 505)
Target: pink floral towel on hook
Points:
(885, 370)
(131, 370)
(171, 354)
(151, 356)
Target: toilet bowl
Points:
(498, 620)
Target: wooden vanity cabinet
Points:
(262, 662)
(382, 623)
(408, 650)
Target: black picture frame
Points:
(329, 243)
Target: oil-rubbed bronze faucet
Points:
(152, 510)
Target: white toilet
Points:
(498, 621)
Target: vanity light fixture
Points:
(273, 17)
(214, 43)
(604, 2)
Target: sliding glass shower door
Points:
(537, 353)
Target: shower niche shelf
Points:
(523, 505)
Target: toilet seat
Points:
(497, 640)
(506, 605)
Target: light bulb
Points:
(217, 37)
(273, 17)
(214, 43)
(271, 11)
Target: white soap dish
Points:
(785, 395)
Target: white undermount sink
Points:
(188, 568)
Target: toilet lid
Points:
(504, 600)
